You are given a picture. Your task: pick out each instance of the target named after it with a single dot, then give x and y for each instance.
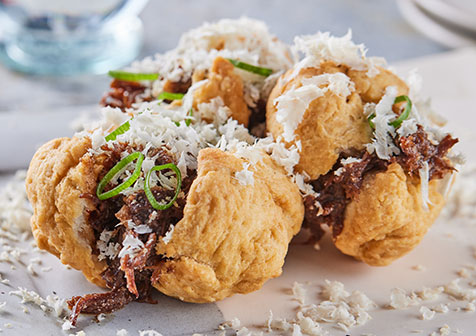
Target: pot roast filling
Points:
(122, 94)
(342, 183)
(122, 218)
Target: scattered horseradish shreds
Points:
(340, 50)
(244, 39)
(292, 105)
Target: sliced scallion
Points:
(148, 192)
(188, 121)
(369, 119)
(406, 112)
(403, 116)
(132, 76)
(251, 68)
(116, 170)
(170, 96)
(120, 130)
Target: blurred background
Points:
(396, 30)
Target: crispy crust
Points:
(225, 83)
(232, 237)
(331, 124)
(231, 240)
(56, 178)
(387, 219)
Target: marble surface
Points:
(378, 24)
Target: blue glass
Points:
(66, 37)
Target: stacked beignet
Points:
(375, 164)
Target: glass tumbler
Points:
(66, 37)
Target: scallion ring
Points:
(148, 192)
(170, 96)
(117, 169)
(251, 68)
(120, 130)
(406, 112)
(188, 121)
(369, 119)
(132, 76)
(397, 122)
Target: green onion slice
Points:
(369, 119)
(405, 114)
(251, 68)
(117, 169)
(188, 121)
(132, 76)
(120, 130)
(148, 192)
(170, 96)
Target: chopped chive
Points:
(120, 130)
(188, 121)
(170, 96)
(148, 192)
(406, 112)
(132, 76)
(369, 119)
(397, 122)
(251, 68)
(117, 169)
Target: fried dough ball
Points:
(387, 218)
(57, 178)
(223, 82)
(232, 237)
(331, 124)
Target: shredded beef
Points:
(123, 94)
(257, 123)
(137, 263)
(99, 303)
(177, 87)
(417, 148)
(336, 191)
(129, 277)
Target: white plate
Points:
(461, 13)
(436, 30)
(445, 249)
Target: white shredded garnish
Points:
(382, 143)
(131, 246)
(292, 105)
(299, 292)
(244, 39)
(424, 185)
(168, 235)
(107, 249)
(322, 46)
(245, 176)
(426, 313)
(149, 333)
(400, 300)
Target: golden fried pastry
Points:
(57, 178)
(232, 237)
(224, 236)
(331, 123)
(387, 219)
(223, 82)
(372, 165)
